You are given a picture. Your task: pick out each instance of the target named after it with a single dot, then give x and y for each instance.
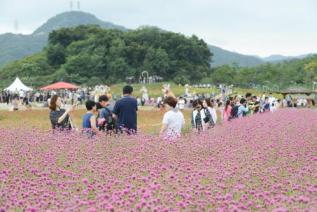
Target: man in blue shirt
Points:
(125, 111)
(243, 108)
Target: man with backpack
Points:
(105, 118)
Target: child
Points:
(89, 120)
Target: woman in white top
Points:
(173, 120)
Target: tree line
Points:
(293, 73)
(90, 55)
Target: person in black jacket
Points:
(60, 118)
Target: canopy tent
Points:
(60, 85)
(17, 85)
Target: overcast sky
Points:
(254, 27)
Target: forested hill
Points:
(17, 46)
(74, 19)
(225, 57)
(91, 55)
(296, 72)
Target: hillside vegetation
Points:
(91, 55)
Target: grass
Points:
(149, 118)
(155, 90)
(40, 119)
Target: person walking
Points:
(227, 111)
(209, 120)
(212, 109)
(125, 112)
(198, 116)
(173, 120)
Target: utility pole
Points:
(78, 5)
(16, 26)
(71, 5)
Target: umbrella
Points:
(59, 85)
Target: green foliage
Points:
(289, 73)
(33, 70)
(56, 55)
(17, 46)
(91, 55)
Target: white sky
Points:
(254, 27)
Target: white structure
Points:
(187, 93)
(17, 86)
(145, 94)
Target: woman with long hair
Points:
(60, 118)
(198, 116)
(209, 120)
(227, 111)
(212, 109)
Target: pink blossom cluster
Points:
(266, 162)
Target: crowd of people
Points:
(107, 114)
(101, 116)
(115, 117)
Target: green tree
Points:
(56, 55)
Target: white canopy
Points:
(17, 85)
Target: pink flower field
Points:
(262, 163)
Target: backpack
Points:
(234, 112)
(110, 123)
(106, 123)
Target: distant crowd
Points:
(116, 117)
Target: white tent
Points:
(17, 85)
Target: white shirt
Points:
(174, 121)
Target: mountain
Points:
(225, 57)
(279, 58)
(73, 19)
(17, 46)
